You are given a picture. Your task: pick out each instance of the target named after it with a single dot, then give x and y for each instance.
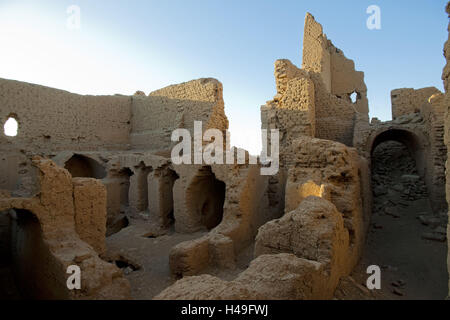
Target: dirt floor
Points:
(406, 239)
(142, 250)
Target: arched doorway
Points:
(410, 140)
(406, 237)
(206, 197)
(82, 166)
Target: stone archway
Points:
(405, 234)
(205, 197)
(82, 166)
(423, 143)
(415, 142)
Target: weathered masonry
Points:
(89, 181)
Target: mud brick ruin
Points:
(89, 181)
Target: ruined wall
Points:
(301, 255)
(335, 111)
(51, 120)
(52, 243)
(315, 231)
(309, 271)
(408, 100)
(422, 133)
(55, 120)
(177, 106)
(337, 173)
(131, 185)
(83, 131)
(446, 78)
(292, 111)
(316, 100)
(335, 117)
(316, 53)
(89, 198)
(274, 277)
(247, 206)
(338, 73)
(433, 112)
(15, 170)
(346, 81)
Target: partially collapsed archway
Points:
(424, 148)
(406, 237)
(206, 197)
(82, 166)
(411, 140)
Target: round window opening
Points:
(11, 127)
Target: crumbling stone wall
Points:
(338, 73)
(89, 197)
(55, 120)
(335, 116)
(316, 53)
(82, 133)
(177, 106)
(301, 279)
(337, 173)
(316, 100)
(433, 112)
(314, 231)
(421, 132)
(131, 185)
(292, 110)
(408, 100)
(16, 171)
(247, 206)
(59, 245)
(308, 271)
(335, 111)
(327, 202)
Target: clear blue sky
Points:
(124, 46)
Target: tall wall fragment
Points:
(335, 111)
(316, 100)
